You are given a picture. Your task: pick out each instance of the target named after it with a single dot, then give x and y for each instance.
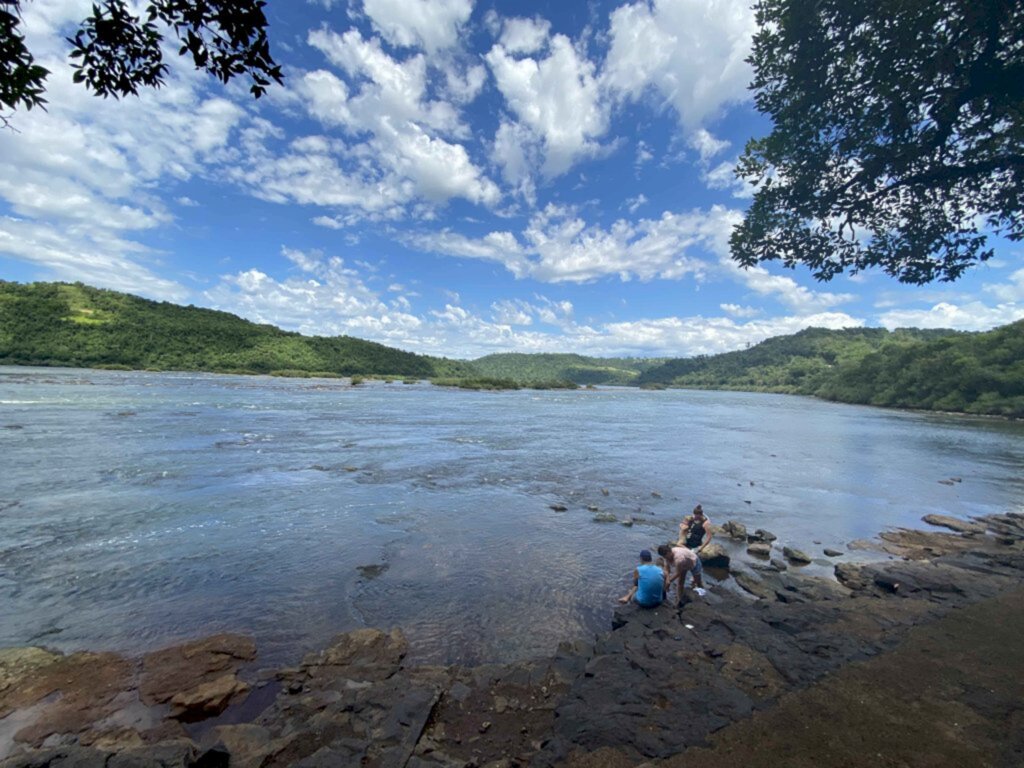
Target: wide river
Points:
(139, 509)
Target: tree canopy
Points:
(898, 138)
(114, 52)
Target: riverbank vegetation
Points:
(79, 326)
(941, 370)
(75, 325)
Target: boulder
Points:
(735, 530)
(714, 556)
(779, 564)
(832, 552)
(760, 549)
(762, 535)
(605, 517)
(796, 556)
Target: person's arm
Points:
(708, 531)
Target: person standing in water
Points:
(693, 529)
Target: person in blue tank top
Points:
(648, 583)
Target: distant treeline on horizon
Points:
(76, 325)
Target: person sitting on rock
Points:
(682, 560)
(693, 529)
(650, 583)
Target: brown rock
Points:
(208, 699)
(714, 556)
(960, 526)
(168, 672)
(368, 654)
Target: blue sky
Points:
(448, 177)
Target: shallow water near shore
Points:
(138, 509)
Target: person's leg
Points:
(698, 574)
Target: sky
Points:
(448, 177)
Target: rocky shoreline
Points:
(663, 684)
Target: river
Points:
(139, 509)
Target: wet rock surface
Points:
(664, 683)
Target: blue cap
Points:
(645, 555)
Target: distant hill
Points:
(79, 326)
(564, 367)
(908, 368)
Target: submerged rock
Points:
(762, 535)
(735, 530)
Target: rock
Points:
(628, 522)
(605, 517)
(372, 571)
(753, 585)
(780, 565)
(759, 549)
(592, 508)
(364, 654)
(762, 535)
(735, 530)
(72, 692)
(714, 555)
(558, 507)
(655, 494)
(208, 699)
(852, 575)
(960, 526)
(170, 671)
(604, 491)
(833, 552)
(795, 555)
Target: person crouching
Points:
(649, 583)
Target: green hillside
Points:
(908, 368)
(564, 367)
(79, 326)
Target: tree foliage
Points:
(79, 326)
(898, 135)
(116, 51)
(937, 369)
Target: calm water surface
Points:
(138, 509)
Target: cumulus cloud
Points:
(689, 53)
(524, 36)
(326, 297)
(429, 24)
(555, 99)
(969, 316)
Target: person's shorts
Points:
(698, 569)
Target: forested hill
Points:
(567, 367)
(908, 368)
(75, 325)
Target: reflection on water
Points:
(139, 508)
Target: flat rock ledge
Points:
(661, 682)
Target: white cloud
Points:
(327, 298)
(1010, 291)
(739, 311)
(691, 53)
(633, 204)
(429, 24)
(524, 36)
(556, 98)
(970, 316)
(723, 176)
(707, 145)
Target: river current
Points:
(140, 509)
